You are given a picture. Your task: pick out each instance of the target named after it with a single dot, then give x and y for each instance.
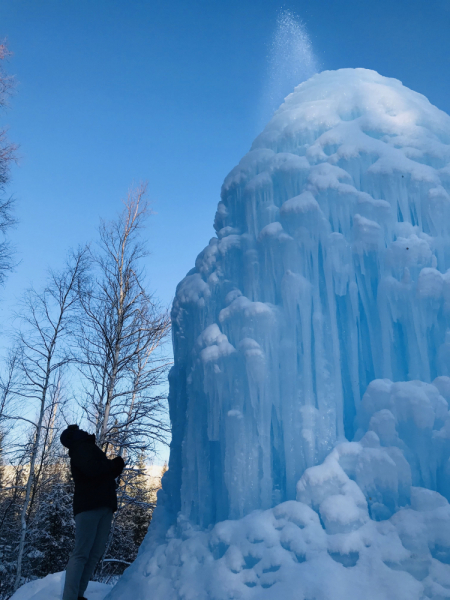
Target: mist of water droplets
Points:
(291, 60)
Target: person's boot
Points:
(81, 598)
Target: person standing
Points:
(94, 502)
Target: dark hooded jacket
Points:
(93, 473)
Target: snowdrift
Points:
(309, 394)
(51, 588)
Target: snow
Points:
(310, 456)
(51, 588)
(284, 552)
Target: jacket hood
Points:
(74, 434)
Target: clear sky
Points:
(111, 91)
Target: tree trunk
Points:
(30, 481)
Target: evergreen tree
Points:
(141, 503)
(11, 499)
(52, 530)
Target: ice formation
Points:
(309, 395)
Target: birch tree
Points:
(120, 338)
(120, 341)
(47, 319)
(50, 527)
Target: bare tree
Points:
(49, 515)
(120, 338)
(8, 383)
(7, 155)
(47, 319)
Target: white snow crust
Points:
(51, 588)
(309, 394)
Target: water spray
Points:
(291, 61)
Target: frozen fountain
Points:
(309, 395)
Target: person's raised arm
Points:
(91, 461)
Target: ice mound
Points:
(51, 588)
(312, 363)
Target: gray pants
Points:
(91, 536)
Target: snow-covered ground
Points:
(51, 588)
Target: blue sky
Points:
(170, 92)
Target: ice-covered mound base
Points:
(51, 588)
(360, 526)
(286, 553)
